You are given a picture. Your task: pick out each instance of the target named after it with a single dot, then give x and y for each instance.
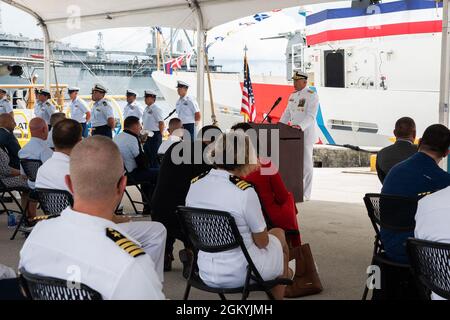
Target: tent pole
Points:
(200, 60)
(445, 70)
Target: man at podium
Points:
(301, 113)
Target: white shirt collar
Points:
(220, 173)
(87, 220)
(60, 156)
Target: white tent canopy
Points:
(67, 17)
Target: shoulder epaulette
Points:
(105, 103)
(124, 243)
(310, 91)
(241, 184)
(423, 194)
(48, 103)
(204, 174)
(43, 218)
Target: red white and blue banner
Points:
(381, 20)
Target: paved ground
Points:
(334, 222)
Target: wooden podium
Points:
(290, 157)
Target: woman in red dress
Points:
(276, 201)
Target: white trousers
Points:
(308, 170)
(152, 237)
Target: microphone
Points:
(273, 108)
(173, 111)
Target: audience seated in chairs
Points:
(268, 249)
(416, 177)
(279, 208)
(175, 135)
(433, 219)
(402, 149)
(85, 239)
(8, 141)
(54, 119)
(52, 175)
(136, 161)
(36, 148)
(172, 187)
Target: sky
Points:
(136, 39)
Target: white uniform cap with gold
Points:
(131, 93)
(73, 89)
(149, 93)
(181, 84)
(299, 75)
(99, 88)
(45, 92)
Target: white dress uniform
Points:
(134, 109)
(228, 269)
(44, 110)
(35, 149)
(129, 149)
(78, 110)
(302, 111)
(94, 251)
(152, 116)
(5, 106)
(165, 145)
(186, 108)
(433, 220)
(151, 235)
(101, 112)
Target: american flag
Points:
(248, 99)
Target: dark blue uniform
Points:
(413, 177)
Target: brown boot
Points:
(306, 279)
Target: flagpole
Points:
(246, 116)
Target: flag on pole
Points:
(248, 100)
(168, 67)
(176, 63)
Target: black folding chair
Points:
(393, 213)
(21, 211)
(53, 202)
(216, 231)
(430, 262)
(45, 288)
(30, 167)
(132, 183)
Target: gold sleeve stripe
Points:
(121, 241)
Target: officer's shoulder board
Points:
(241, 184)
(310, 91)
(43, 218)
(204, 174)
(124, 243)
(48, 103)
(105, 103)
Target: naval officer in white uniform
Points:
(301, 112)
(187, 109)
(43, 107)
(5, 105)
(79, 110)
(133, 108)
(86, 244)
(103, 121)
(153, 121)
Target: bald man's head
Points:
(7, 121)
(38, 128)
(96, 168)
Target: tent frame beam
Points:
(47, 39)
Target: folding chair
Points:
(216, 231)
(430, 262)
(22, 211)
(45, 288)
(133, 183)
(30, 167)
(53, 202)
(393, 213)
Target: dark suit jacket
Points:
(392, 155)
(9, 143)
(173, 185)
